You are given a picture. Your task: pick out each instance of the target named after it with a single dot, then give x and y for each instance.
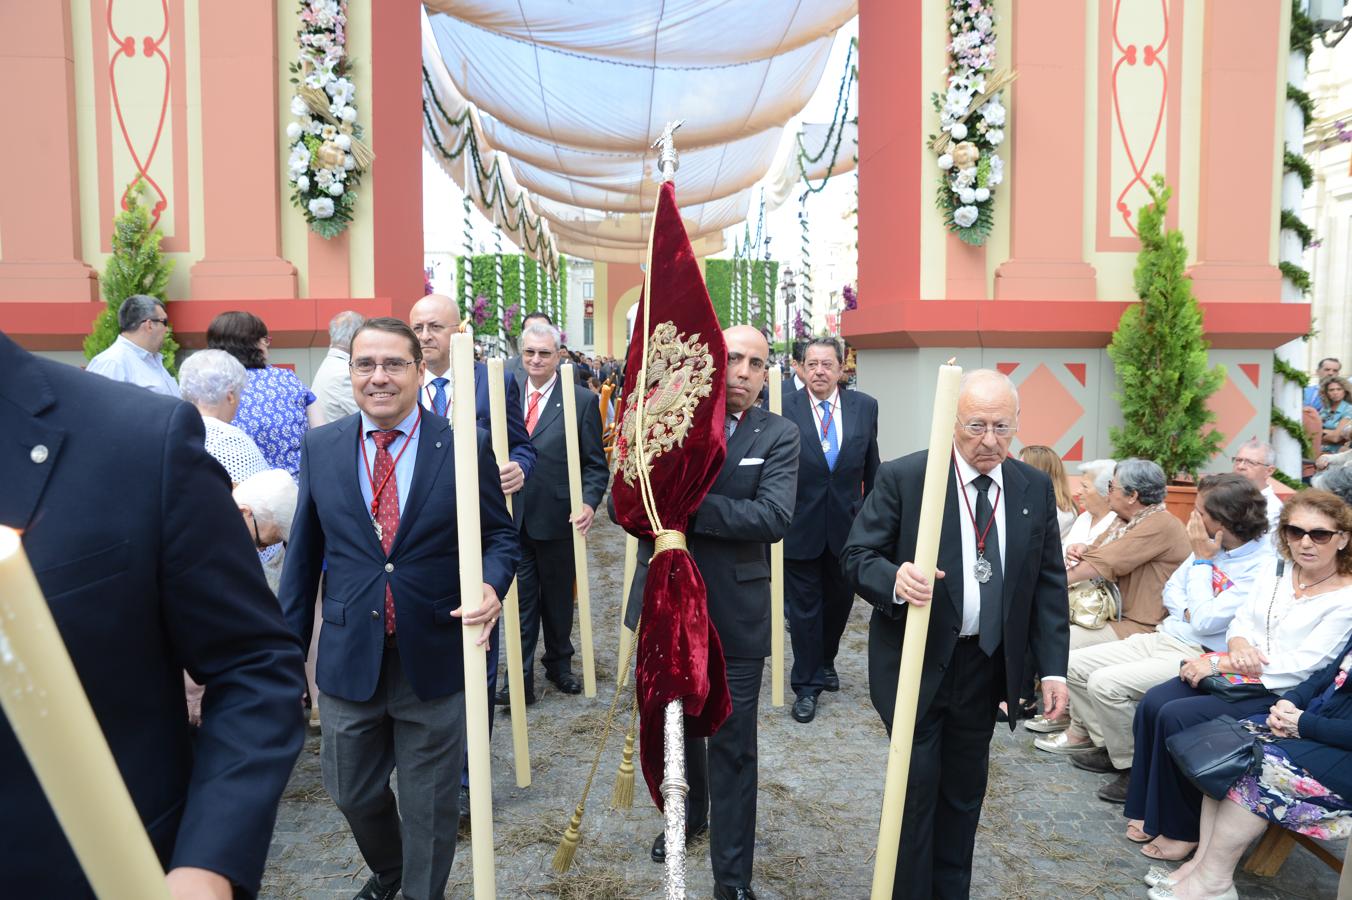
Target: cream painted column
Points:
(1045, 185)
(40, 249)
(241, 155)
(1236, 221)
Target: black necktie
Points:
(992, 631)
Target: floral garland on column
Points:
(327, 155)
(971, 121)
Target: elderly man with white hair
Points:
(332, 385)
(212, 381)
(1256, 461)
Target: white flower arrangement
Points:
(326, 153)
(971, 122)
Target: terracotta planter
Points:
(1180, 499)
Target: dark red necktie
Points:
(387, 506)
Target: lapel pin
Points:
(38, 454)
(439, 446)
(1025, 512)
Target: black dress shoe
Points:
(805, 708)
(566, 682)
(374, 890)
(503, 698)
(831, 680)
(1096, 760)
(659, 851)
(1115, 791)
(727, 892)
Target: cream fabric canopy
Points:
(566, 96)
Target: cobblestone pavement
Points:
(1043, 833)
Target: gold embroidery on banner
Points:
(680, 375)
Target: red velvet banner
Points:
(679, 654)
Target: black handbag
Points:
(1216, 754)
(1234, 691)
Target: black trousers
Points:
(949, 762)
(544, 590)
(722, 775)
(819, 607)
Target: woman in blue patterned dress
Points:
(276, 407)
(1304, 784)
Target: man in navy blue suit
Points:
(434, 319)
(838, 430)
(162, 578)
(377, 502)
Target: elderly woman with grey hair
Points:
(1090, 492)
(212, 381)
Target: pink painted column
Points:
(396, 137)
(1046, 182)
(241, 155)
(40, 203)
(1239, 85)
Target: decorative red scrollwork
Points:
(1150, 56)
(151, 47)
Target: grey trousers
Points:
(425, 741)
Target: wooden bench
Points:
(1275, 846)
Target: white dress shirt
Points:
(429, 390)
(128, 362)
(971, 588)
(544, 392)
(403, 461)
(1303, 635)
(837, 418)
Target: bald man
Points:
(1001, 590)
(748, 508)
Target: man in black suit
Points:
(148, 570)
(516, 366)
(546, 575)
(1002, 591)
(748, 508)
(378, 504)
(839, 435)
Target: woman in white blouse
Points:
(1091, 494)
(212, 381)
(1296, 620)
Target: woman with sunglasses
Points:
(1292, 626)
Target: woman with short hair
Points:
(213, 381)
(1090, 492)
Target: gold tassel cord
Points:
(572, 836)
(994, 84)
(623, 795)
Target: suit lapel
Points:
(950, 543)
(752, 421)
(551, 409)
(843, 400)
(1015, 534)
(349, 441)
(27, 444)
(800, 409)
(434, 445)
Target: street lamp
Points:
(788, 286)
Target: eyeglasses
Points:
(1242, 463)
(258, 541)
(395, 367)
(1294, 535)
(529, 353)
(267, 340)
(979, 429)
(159, 321)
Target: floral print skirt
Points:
(1285, 793)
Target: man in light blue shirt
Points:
(135, 356)
(1228, 530)
(1327, 366)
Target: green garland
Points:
(1291, 222)
(1293, 483)
(1301, 99)
(1287, 371)
(1293, 162)
(485, 284)
(836, 132)
(1292, 427)
(718, 280)
(1298, 276)
(1302, 30)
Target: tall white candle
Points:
(46, 706)
(511, 608)
(579, 542)
(776, 583)
(938, 467)
(469, 533)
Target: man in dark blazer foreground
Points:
(997, 596)
(378, 504)
(546, 574)
(748, 508)
(838, 430)
(148, 569)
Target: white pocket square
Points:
(752, 461)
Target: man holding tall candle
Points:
(748, 508)
(838, 431)
(148, 569)
(547, 570)
(1001, 591)
(377, 502)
